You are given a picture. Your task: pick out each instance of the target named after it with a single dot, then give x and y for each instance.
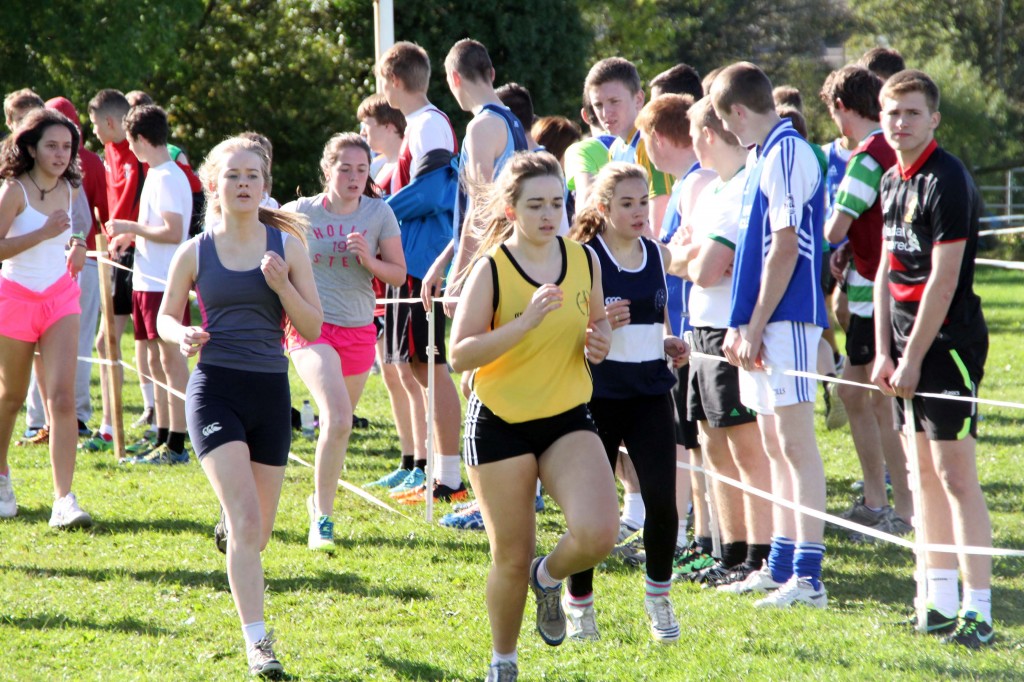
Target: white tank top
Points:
(37, 268)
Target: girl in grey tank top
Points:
(250, 280)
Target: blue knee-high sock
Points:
(780, 559)
(807, 561)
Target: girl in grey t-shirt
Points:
(348, 226)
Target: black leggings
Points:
(645, 424)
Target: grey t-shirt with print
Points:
(346, 292)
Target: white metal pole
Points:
(431, 350)
(921, 556)
(383, 28)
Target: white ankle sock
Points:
(447, 471)
(148, 399)
(979, 601)
(106, 430)
(633, 511)
(501, 658)
(254, 632)
(944, 589)
(544, 578)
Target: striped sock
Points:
(580, 602)
(780, 559)
(656, 588)
(807, 561)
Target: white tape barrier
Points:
(836, 380)
(1005, 264)
(1000, 219)
(353, 489)
(999, 231)
(849, 525)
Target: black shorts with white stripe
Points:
(489, 438)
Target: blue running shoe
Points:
(413, 479)
(470, 518)
(538, 504)
(389, 480)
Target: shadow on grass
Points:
(348, 583)
(58, 621)
(414, 670)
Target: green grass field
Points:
(143, 595)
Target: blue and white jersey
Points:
(515, 141)
(623, 151)
(636, 364)
(678, 288)
(838, 156)
(784, 188)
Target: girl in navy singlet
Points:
(632, 401)
(250, 271)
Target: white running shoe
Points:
(758, 582)
(67, 514)
(505, 671)
(8, 505)
(262, 661)
(321, 528)
(580, 623)
(796, 591)
(664, 626)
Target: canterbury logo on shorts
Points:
(211, 428)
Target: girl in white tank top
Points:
(38, 296)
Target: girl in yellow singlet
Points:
(530, 316)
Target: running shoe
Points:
(971, 631)
(736, 574)
(864, 515)
(67, 514)
(796, 591)
(40, 437)
(442, 493)
(141, 447)
(580, 622)
(414, 479)
(503, 671)
(161, 454)
(835, 411)
(31, 431)
(550, 617)
(262, 662)
(693, 560)
(629, 546)
(145, 419)
(538, 503)
(936, 622)
(467, 518)
(220, 533)
(8, 503)
(360, 422)
(97, 443)
(664, 626)
(321, 528)
(389, 480)
(83, 429)
(897, 526)
(758, 582)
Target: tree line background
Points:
(296, 70)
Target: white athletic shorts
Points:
(785, 346)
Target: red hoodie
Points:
(94, 177)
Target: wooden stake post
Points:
(113, 352)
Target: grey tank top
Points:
(242, 314)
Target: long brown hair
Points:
(292, 223)
(591, 221)
(15, 158)
(490, 201)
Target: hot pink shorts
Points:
(355, 345)
(25, 314)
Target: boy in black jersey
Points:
(931, 338)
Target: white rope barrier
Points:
(353, 489)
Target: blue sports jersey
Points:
(515, 142)
(784, 189)
(678, 288)
(837, 159)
